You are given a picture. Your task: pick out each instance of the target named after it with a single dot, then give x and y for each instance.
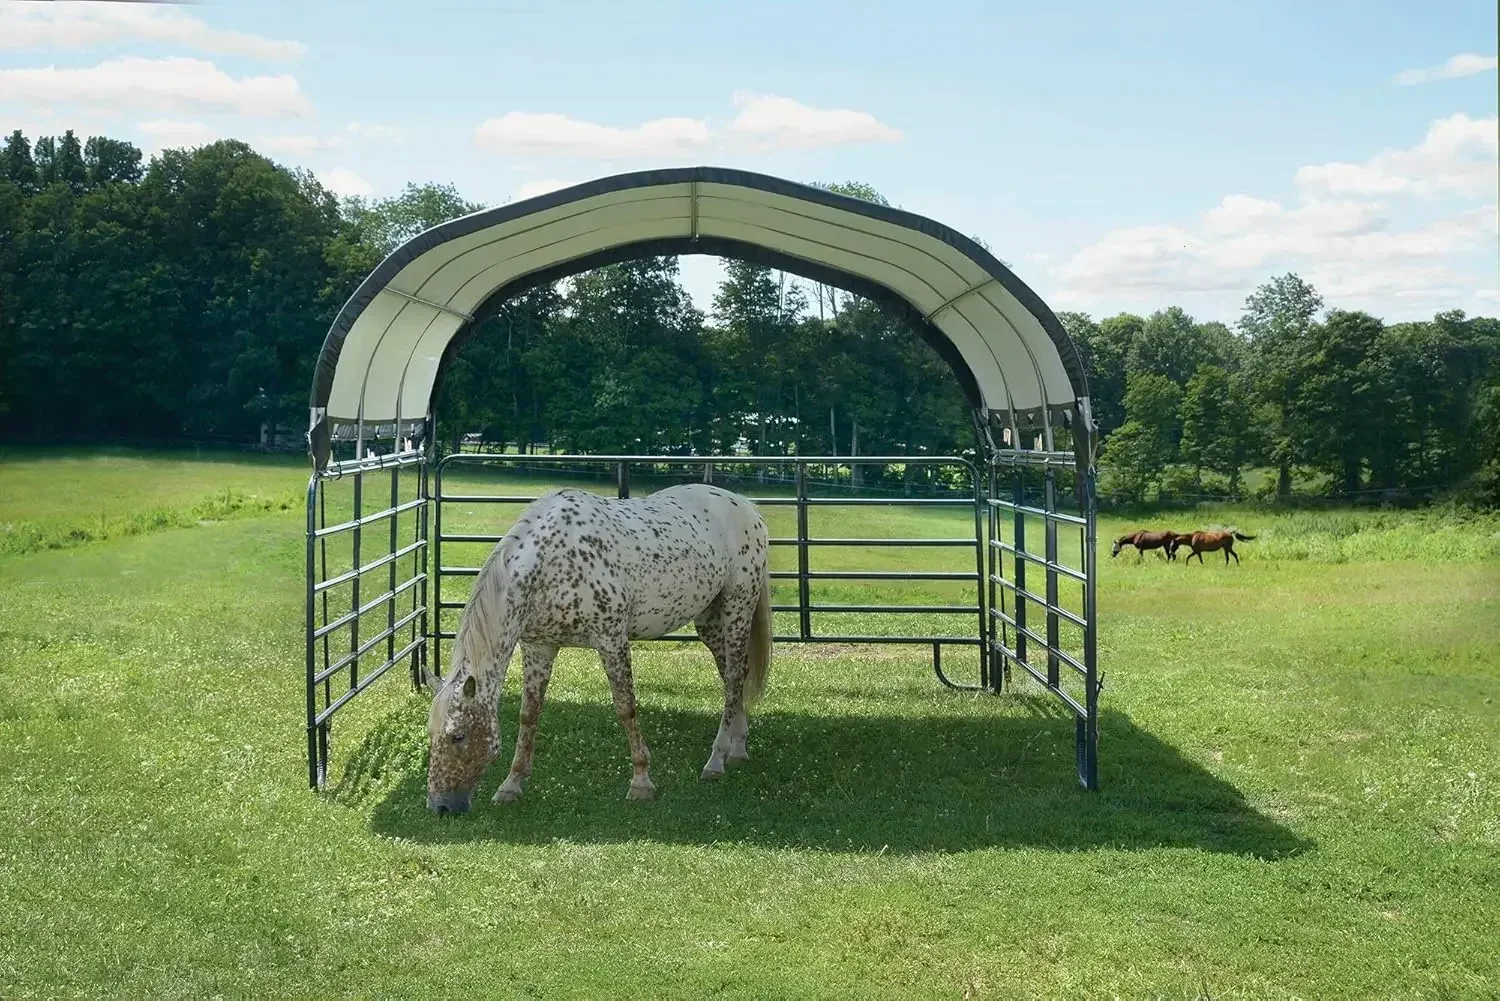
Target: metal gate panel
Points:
(366, 584)
(1021, 571)
(1043, 587)
(807, 498)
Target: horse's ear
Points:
(469, 687)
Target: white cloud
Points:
(73, 26)
(520, 133)
(531, 189)
(167, 134)
(1459, 155)
(786, 123)
(1488, 294)
(762, 123)
(296, 145)
(174, 85)
(1350, 247)
(343, 181)
(378, 133)
(1464, 64)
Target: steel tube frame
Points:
(1082, 667)
(995, 621)
(404, 634)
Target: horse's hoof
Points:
(507, 794)
(643, 791)
(711, 772)
(742, 758)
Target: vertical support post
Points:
(419, 667)
(359, 511)
(322, 522)
(1018, 496)
(437, 572)
(395, 539)
(622, 480)
(999, 666)
(1088, 728)
(1050, 533)
(981, 587)
(313, 779)
(804, 583)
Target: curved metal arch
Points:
(693, 241)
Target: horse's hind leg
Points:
(724, 627)
(1230, 552)
(616, 658)
(537, 658)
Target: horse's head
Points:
(1119, 545)
(463, 737)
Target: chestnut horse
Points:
(1208, 542)
(1143, 541)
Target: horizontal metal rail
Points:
(345, 526)
(367, 680)
(884, 543)
(487, 499)
(1040, 561)
(900, 609)
(1037, 599)
(716, 460)
(1035, 457)
(876, 575)
(371, 463)
(367, 646)
(759, 501)
(834, 609)
(794, 638)
(371, 605)
(1058, 690)
(1041, 641)
(360, 571)
(1038, 512)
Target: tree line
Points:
(188, 296)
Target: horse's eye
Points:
(457, 738)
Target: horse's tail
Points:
(758, 674)
(1243, 537)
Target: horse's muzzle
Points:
(454, 803)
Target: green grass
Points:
(58, 498)
(1300, 791)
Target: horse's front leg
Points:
(537, 658)
(616, 658)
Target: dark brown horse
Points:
(1143, 541)
(1208, 542)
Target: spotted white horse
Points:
(579, 570)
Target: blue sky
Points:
(1119, 156)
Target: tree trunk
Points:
(833, 434)
(1351, 476)
(760, 476)
(856, 473)
(797, 413)
(1284, 481)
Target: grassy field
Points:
(1301, 796)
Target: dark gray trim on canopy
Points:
(618, 249)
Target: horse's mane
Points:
(481, 635)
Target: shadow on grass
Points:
(901, 784)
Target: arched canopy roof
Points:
(382, 355)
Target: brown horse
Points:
(1143, 541)
(1208, 542)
